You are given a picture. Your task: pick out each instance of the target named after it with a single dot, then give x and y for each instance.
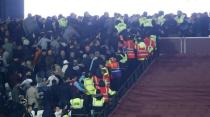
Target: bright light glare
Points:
(98, 7)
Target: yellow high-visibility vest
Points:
(66, 115)
(63, 22)
(154, 39)
(77, 103)
(142, 20)
(148, 23)
(98, 103)
(160, 20)
(120, 27)
(89, 86)
(180, 19)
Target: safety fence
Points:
(124, 88)
(190, 46)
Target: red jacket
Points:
(105, 92)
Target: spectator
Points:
(32, 95)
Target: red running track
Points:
(172, 87)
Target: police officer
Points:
(77, 105)
(98, 103)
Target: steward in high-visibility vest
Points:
(160, 20)
(142, 20)
(121, 26)
(77, 103)
(148, 23)
(142, 52)
(98, 103)
(106, 76)
(150, 44)
(63, 22)
(130, 49)
(113, 65)
(105, 91)
(153, 39)
(89, 86)
(180, 19)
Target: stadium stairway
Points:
(171, 87)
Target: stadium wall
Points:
(11, 8)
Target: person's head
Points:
(77, 95)
(75, 62)
(106, 14)
(144, 14)
(49, 52)
(57, 108)
(73, 15)
(87, 48)
(6, 40)
(1, 28)
(29, 108)
(179, 13)
(101, 83)
(97, 54)
(98, 95)
(161, 13)
(86, 14)
(87, 75)
(62, 53)
(29, 15)
(72, 54)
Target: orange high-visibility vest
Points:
(142, 52)
(130, 49)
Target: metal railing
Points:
(124, 88)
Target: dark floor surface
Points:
(172, 87)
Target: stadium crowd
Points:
(55, 66)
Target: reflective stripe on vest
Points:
(131, 54)
(124, 58)
(76, 103)
(142, 53)
(98, 103)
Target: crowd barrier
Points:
(190, 46)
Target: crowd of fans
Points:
(45, 62)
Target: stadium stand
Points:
(79, 65)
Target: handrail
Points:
(184, 38)
(131, 80)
